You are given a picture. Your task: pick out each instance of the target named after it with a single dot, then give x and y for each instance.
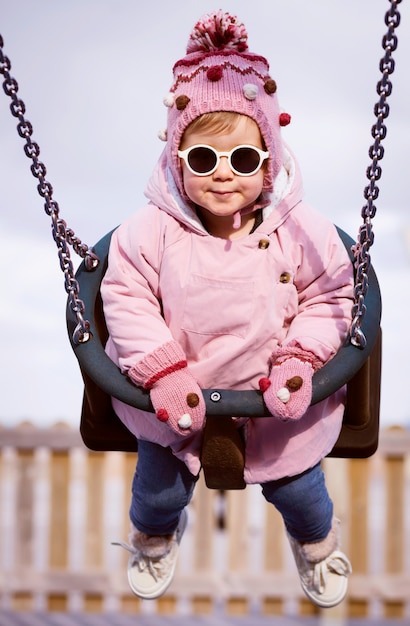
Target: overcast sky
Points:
(93, 75)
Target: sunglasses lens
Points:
(202, 160)
(245, 160)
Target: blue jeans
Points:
(163, 486)
(304, 504)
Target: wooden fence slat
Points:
(59, 478)
(238, 531)
(77, 509)
(273, 540)
(204, 527)
(395, 544)
(41, 508)
(94, 528)
(337, 481)
(395, 515)
(25, 486)
(358, 480)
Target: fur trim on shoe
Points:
(153, 546)
(320, 550)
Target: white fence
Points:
(62, 505)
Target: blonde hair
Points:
(218, 122)
(215, 122)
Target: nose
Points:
(223, 171)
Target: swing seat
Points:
(102, 430)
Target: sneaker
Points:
(151, 567)
(324, 581)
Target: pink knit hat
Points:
(219, 74)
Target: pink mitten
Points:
(175, 394)
(288, 390)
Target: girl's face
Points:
(221, 194)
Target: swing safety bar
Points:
(97, 366)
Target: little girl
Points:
(226, 279)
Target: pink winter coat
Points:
(229, 304)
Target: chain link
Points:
(63, 236)
(361, 249)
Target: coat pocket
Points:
(218, 307)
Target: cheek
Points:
(192, 184)
(254, 184)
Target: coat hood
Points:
(162, 191)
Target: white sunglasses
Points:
(203, 160)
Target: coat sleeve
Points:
(130, 289)
(324, 282)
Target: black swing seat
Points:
(102, 430)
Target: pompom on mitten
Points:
(288, 390)
(175, 394)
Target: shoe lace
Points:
(337, 562)
(157, 567)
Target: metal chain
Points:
(365, 236)
(63, 236)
